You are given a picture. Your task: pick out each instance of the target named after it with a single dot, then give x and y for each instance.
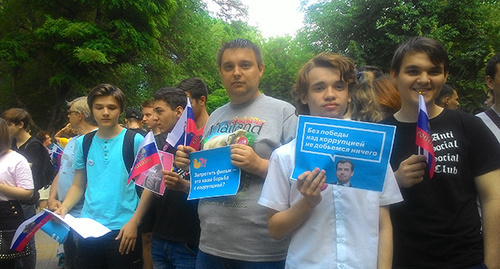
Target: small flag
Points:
(423, 138)
(27, 230)
(56, 153)
(184, 131)
(147, 157)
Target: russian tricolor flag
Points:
(423, 139)
(147, 156)
(56, 153)
(184, 131)
(27, 230)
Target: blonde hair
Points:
(364, 106)
(326, 60)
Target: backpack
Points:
(127, 148)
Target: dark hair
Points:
(446, 91)
(4, 137)
(434, 49)
(240, 44)
(42, 135)
(195, 86)
(327, 60)
(345, 161)
(172, 96)
(106, 89)
(18, 115)
(491, 66)
(377, 72)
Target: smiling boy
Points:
(438, 224)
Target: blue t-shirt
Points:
(108, 198)
(66, 175)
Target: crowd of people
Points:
(445, 218)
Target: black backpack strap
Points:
(87, 141)
(493, 116)
(128, 149)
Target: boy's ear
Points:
(303, 100)
(489, 82)
(178, 111)
(447, 101)
(203, 100)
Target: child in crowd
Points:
(331, 226)
(176, 229)
(101, 175)
(16, 183)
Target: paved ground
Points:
(46, 251)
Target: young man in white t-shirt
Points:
(331, 226)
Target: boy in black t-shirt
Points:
(438, 224)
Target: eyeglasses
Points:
(72, 111)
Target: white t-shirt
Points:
(15, 171)
(342, 231)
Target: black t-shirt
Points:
(176, 217)
(438, 224)
(33, 150)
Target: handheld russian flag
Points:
(146, 157)
(27, 230)
(423, 137)
(184, 131)
(56, 153)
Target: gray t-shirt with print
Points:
(235, 227)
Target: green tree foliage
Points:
(55, 50)
(282, 59)
(217, 99)
(370, 31)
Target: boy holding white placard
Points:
(331, 226)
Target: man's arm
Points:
(283, 223)
(75, 192)
(244, 157)
(128, 233)
(385, 244)
(488, 189)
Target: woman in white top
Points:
(16, 182)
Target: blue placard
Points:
(57, 230)
(212, 173)
(324, 142)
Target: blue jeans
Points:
(207, 261)
(168, 254)
(103, 252)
